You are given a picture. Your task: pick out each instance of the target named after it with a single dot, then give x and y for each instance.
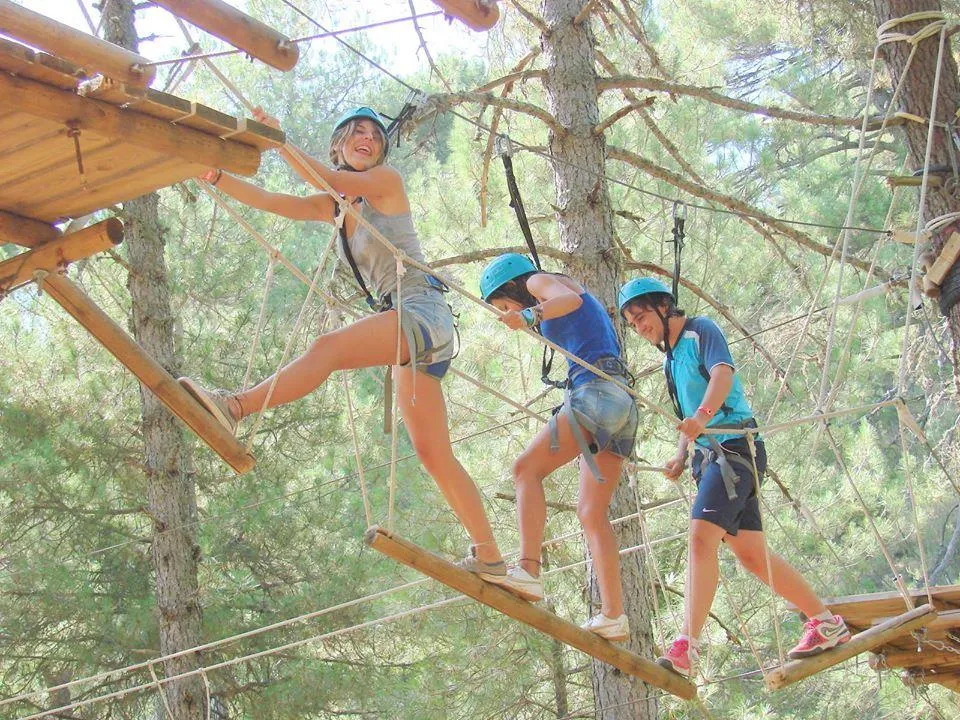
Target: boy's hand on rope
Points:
(263, 117)
(673, 468)
(691, 427)
(513, 320)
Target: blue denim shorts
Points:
(712, 503)
(607, 412)
(427, 323)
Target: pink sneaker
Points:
(681, 658)
(820, 635)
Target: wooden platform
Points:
(131, 140)
(920, 663)
(499, 599)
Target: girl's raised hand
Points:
(262, 117)
(513, 320)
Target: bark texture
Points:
(915, 98)
(171, 492)
(585, 218)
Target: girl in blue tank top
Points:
(598, 422)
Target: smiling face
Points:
(359, 144)
(645, 322)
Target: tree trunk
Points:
(915, 98)
(171, 493)
(585, 218)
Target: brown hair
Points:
(339, 138)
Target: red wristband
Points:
(706, 411)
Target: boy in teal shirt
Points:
(706, 392)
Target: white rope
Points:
(394, 399)
(267, 283)
(160, 691)
(356, 451)
(291, 341)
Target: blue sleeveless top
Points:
(587, 333)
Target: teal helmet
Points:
(638, 287)
(365, 113)
(502, 270)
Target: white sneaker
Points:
(613, 629)
(520, 582)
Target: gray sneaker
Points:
(215, 402)
(490, 572)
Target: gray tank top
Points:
(376, 262)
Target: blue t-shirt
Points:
(587, 332)
(702, 342)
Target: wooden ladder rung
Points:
(149, 371)
(566, 632)
(880, 634)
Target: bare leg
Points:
(426, 422)
(748, 546)
(703, 574)
(592, 511)
(529, 471)
(369, 342)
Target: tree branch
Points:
(444, 102)
(619, 82)
(731, 203)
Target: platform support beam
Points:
(92, 53)
(57, 254)
(880, 634)
(479, 16)
(237, 28)
(499, 599)
(25, 231)
(150, 373)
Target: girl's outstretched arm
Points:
(313, 207)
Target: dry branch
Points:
(620, 82)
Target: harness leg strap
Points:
(726, 470)
(585, 451)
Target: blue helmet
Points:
(365, 113)
(502, 270)
(637, 287)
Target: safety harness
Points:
(716, 452)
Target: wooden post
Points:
(25, 231)
(57, 254)
(56, 38)
(237, 28)
(148, 370)
(499, 599)
(127, 126)
(948, 256)
(473, 14)
(886, 631)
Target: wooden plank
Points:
(55, 255)
(473, 14)
(120, 185)
(950, 679)
(926, 657)
(25, 231)
(189, 114)
(948, 256)
(149, 371)
(499, 599)
(797, 670)
(862, 611)
(30, 167)
(237, 28)
(20, 60)
(908, 237)
(131, 127)
(87, 51)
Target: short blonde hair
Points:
(339, 138)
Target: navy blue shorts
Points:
(712, 503)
